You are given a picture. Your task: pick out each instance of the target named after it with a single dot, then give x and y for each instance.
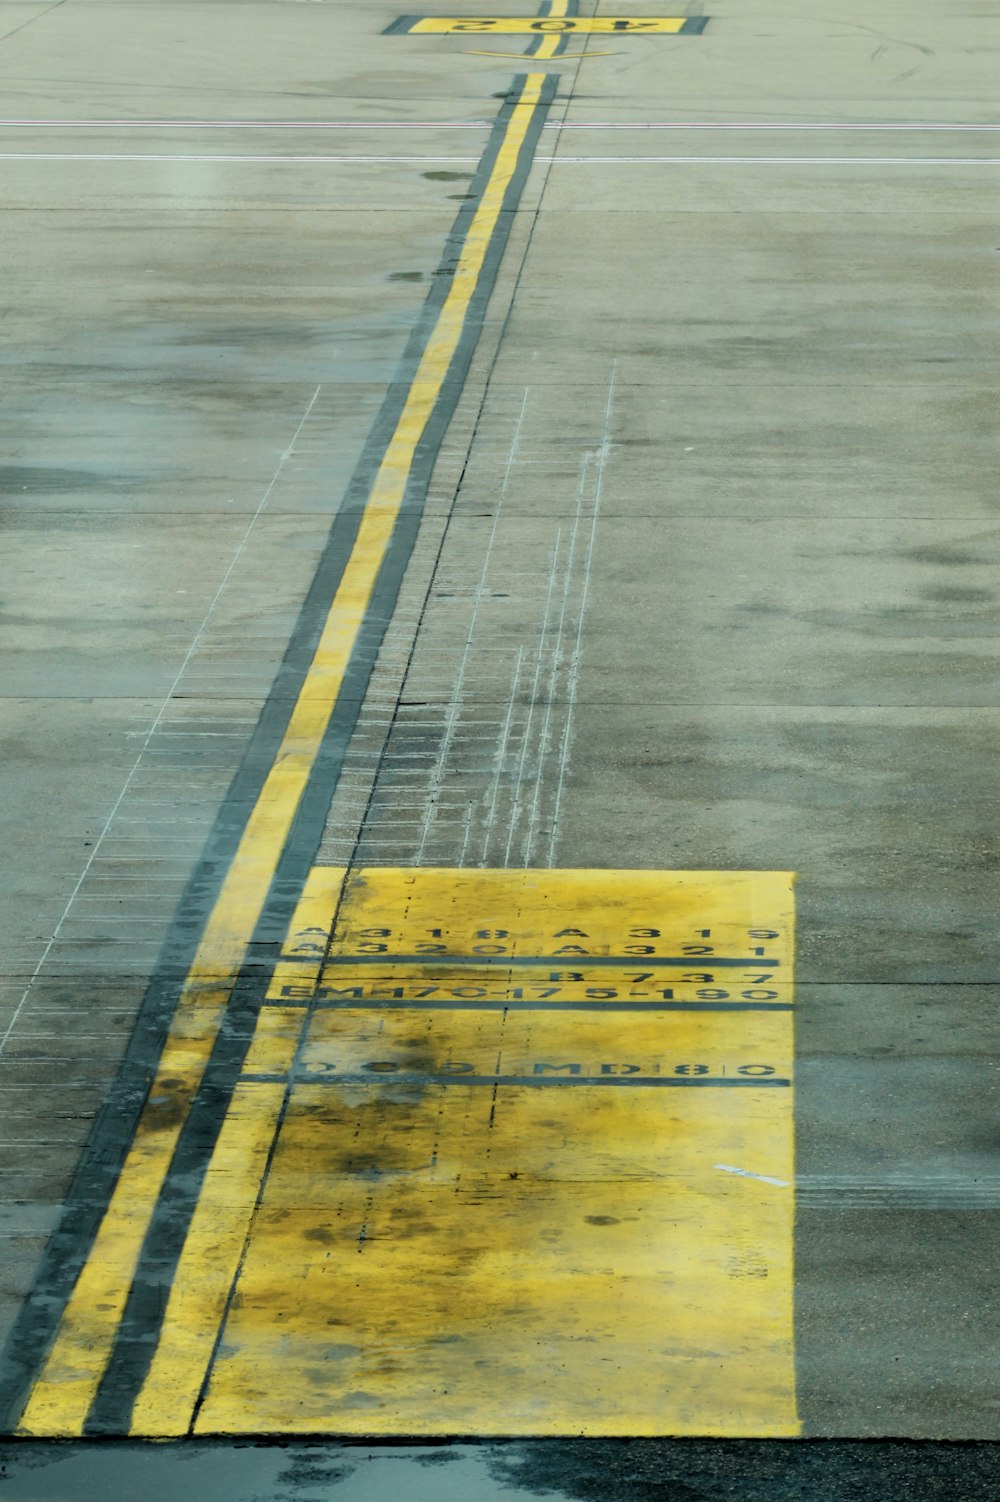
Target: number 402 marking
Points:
(530, 25)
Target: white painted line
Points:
(364, 159)
(744, 1173)
(155, 727)
(183, 156)
(786, 161)
(825, 125)
(249, 124)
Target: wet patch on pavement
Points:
(582, 1470)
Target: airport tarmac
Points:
(500, 704)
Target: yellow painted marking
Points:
(564, 1045)
(221, 1221)
(574, 1269)
(227, 1203)
(466, 903)
(550, 25)
(551, 40)
(61, 1396)
(576, 57)
(454, 1237)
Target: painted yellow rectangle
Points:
(494, 1221)
(552, 26)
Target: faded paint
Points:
(434, 1253)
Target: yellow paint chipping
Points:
(221, 1222)
(551, 1262)
(509, 1219)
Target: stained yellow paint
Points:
(547, 1047)
(503, 1220)
(62, 1394)
(547, 1262)
(221, 1222)
(557, 24)
(482, 916)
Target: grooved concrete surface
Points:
(707, 576)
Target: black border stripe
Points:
(572, 9)
(547, 961)
(482, 1004)
(67, 1251)
(403, 1079)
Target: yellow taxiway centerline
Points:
(61, 1396)
(551, 41)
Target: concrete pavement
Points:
(703, 578)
